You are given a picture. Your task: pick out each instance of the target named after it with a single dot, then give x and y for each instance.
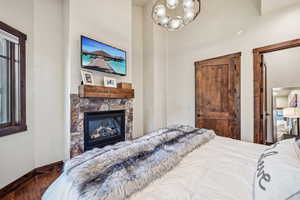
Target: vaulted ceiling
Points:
(265, 5)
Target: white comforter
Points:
(222, 169)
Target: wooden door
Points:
(218, 95)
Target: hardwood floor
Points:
(35, 187)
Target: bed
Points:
(221, 169)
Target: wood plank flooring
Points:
(34, 188)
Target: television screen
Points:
(102, 57)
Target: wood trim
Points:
(259, 135)
(13, 83)
(17, 126)
(258, 111)
(278, 46)
(16, 184)
(90, 91)
(23, 81)
(27, 177)
(5, 125)
(12, 30)
(12, 130)
(239, 54)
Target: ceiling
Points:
(265, 5)
(140, 2)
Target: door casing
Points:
(259, 86)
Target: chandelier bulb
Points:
(175, 14)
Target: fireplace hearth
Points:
(103, 128)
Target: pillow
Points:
(298, 143)
(278, 172)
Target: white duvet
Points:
(222, 169)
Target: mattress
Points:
(222, 169)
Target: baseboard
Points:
(27, 177)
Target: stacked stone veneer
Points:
(81, 105)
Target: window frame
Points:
(14, 127)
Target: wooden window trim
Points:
(259, 132)
(21, 126)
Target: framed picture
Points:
(87, 77)
(110, 82)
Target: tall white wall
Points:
(19, 146)
(43, 142)
(160, 77)
(137, 70)
(223, 27)
(155, 73)
(48, 82)
(106, 21)
(148, 71)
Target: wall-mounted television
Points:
(102, 57)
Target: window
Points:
(12, 81)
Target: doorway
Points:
(263, 116)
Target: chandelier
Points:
(175, 14)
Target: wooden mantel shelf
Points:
(91, 91)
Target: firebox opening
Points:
(103, 128)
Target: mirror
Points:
(285, 113)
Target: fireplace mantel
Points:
(91, 91)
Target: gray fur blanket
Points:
(116, 172)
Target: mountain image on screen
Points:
(102, 57)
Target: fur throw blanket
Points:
(116, 172)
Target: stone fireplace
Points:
(96, 122)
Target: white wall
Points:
(155, 73)
(19, 146)
(148, 71)
(137, 70)
(48, 82)
(43, 142)
(223, 27)
(160, 77)
(106, 21)
(282, 102)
